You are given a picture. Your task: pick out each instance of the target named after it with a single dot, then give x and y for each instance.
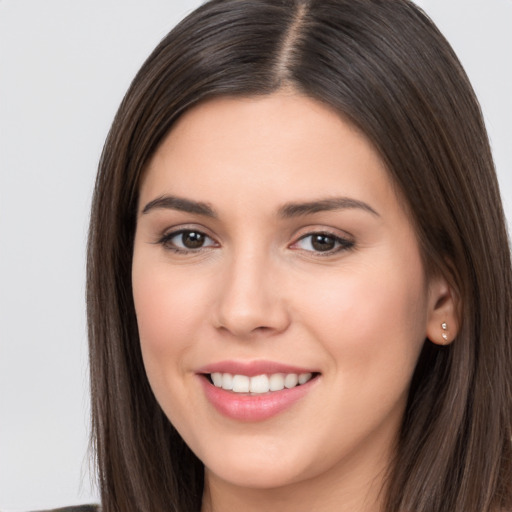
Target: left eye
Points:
(187, 240)
(322, 242)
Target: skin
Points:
(258, 289)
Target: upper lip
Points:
(253, 368)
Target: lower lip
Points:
(246, 407)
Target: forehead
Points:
(259, 150)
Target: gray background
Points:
(64, 67)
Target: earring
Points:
(444, 334)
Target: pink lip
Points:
(252, 368)
(251, 408)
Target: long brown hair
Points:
(386, 68)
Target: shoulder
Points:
(76, 508)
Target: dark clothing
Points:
(77, 508)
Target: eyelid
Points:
(169, 233)
(343, 240)
(174, 229)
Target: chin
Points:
(263, 466)
(256, 476)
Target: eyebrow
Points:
(181, 204)
(290, 210)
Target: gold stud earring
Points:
(444, 334)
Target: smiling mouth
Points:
(258, 384)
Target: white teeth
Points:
(241, 384)
(217, 379)
(276, 382)
(260, 383)
(227, 381)
(304, 377)
(291, 380)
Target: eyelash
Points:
(340, 244)
(166, 241)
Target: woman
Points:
(299, 276)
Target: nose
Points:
(251, 301)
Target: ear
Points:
(443, 313)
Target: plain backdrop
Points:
(64, 67)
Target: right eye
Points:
(323, 243)
(187, 240)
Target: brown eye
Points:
(186, 240)
(323, 243)
(326, 243)
(192, 239)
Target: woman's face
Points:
(271, 246)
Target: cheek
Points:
(371, 319)
(371, 325)
(167, 305)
